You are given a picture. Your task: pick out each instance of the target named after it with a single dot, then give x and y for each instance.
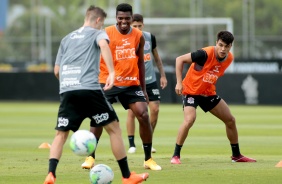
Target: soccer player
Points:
(150, 56)
(198, 89)
(127, 47)
(81, 95)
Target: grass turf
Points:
(205, 155)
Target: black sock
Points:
(235, 150)
(53, 165)
(147, 150)
(123, 165)
(131, 141)
(93, 154)
(177, 150)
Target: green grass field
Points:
(205, 155)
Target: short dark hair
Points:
(93, 12)
(137, 17)
(124, 7)
(225, 36)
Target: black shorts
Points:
(206, 103)
(125, 95)
(153, 91)
(80, 104)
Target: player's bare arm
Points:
(159, 63)
(141, 65)
(186, 58)
(56, 71)
(107, 56)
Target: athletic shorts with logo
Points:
(77, 105)
(125, 95)
(206, 103)
(153, 91)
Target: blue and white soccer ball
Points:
(101, 174)
(83, 142)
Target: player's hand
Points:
(178, 89)
(109, 82)
(163, 82)
(146, 97)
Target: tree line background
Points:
(35, 27)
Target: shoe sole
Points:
(87, 167)
(234, 161)
(144, 179)
(175, 163)
(147, 167)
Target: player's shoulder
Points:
(110, 28)
(208, 49)
(230, 55)
(68, 36)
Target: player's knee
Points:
(63, 135)
(113, 128)
(155, 110)
(143, 117)
(233, 119)
(188, 122)
(190, 119)
(230, 121)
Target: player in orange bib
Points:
(198, 89)
(127, 47)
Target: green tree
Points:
(67, 15)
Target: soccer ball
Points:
(101, 174)
(83, 142)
